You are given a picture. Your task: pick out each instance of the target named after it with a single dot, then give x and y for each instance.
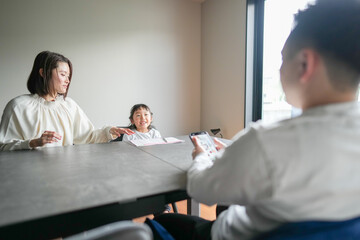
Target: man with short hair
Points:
(301, 169)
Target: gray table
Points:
(59, 191)
(179, 156)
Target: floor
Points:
(205, 211)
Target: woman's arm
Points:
(116, 132)
(11, 135)
(46, 137)
(84, 130)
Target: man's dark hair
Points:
(332, 28)
(47, 61)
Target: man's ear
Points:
(309, 61)
(41, 72)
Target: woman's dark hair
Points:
(47, 61)
(134, 109)
(331, 27)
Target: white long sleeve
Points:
(228, 181)
(301, 169)
(27, 117)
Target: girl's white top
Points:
(153, 133)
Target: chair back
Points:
(124, 230)
(316, 230)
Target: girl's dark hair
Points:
(47, 61)
(332, 28)
(134, 109)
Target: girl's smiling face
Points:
(142, 119)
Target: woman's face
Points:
(142, 119)
(60, 77)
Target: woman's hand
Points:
(46, 137)
(116, 132)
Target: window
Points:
(265, 42)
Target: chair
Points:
(316, 230)
(118, 139)
(124, 230)
(159, 232)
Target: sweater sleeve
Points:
(238, 175)
(84, 130)
(11, 135)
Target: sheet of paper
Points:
(155, 141)
(173, 140)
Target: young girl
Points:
(141, 119)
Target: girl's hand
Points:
(198, 149)
(46, 137)
(116, 132)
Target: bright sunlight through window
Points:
(278, 22)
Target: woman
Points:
(46, 117)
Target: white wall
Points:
(223, 65)
(123, 52)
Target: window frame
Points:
(254, 60)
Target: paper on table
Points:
(173, 140)
(155, 141)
